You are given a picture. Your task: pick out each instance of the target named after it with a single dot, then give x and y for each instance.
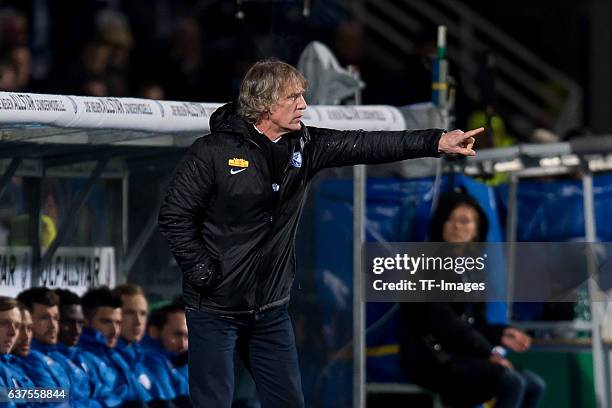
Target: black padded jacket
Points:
(233, 241)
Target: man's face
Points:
(107, 320)
(24, 340)
(45, 323)
(71, 324)
(287, 112)
(10, 321)
(173, 336)
(134, 317)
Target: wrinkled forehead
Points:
(292, 86)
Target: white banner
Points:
(15, 270)
(167, 116)
(74, 268)
(371, 117)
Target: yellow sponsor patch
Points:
(235, 162)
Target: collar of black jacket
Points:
(226, 119)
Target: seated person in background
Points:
(166, 349)
(71, 318)
(11, 374)
(71, 322)
(133, 324)
(102, 312)
(42, 370)
(442, 346)
(44, 363)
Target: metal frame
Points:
(124, 229)
(39, 151)
(359, 327)
(9, 173)
(143, 238)
(70, 218)
(359, 341)
(600, 362)
(511, 219)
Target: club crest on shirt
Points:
(145, 381)
(296, 159)
(236, 162)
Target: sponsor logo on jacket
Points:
(236, 162)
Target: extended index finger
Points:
(473, 132)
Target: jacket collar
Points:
(130, 351)
(7, 358)
(70, 352)
(43, 347)
(226, 119)
(93, 339)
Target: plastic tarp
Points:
(552, 210)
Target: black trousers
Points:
(266, 345)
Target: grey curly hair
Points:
(262, 87)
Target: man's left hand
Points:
(459, 142)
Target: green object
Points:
(441, 52)
(568, 375)
(158, 304)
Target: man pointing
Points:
(230, 216)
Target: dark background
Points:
(198, 50)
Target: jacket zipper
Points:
(282, 182)
(273, 215)
(258, 272)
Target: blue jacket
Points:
(159, 363)
(11, 375)
(101, 376)
(80, 389)
(44, 372)
(125, 386)
(183, 372)
(134, 355)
